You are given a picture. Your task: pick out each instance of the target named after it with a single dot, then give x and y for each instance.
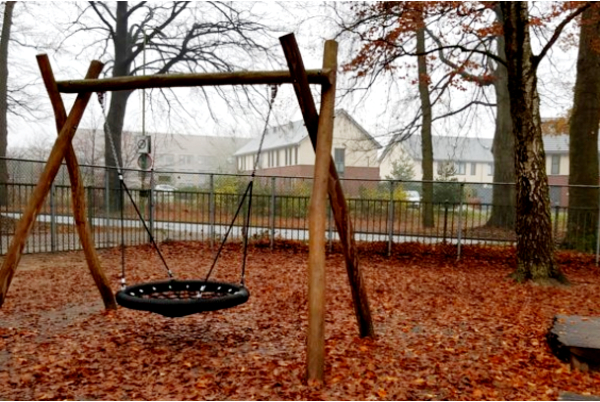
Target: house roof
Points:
(556, 143)
(470, 149)
(467, 149)
(293, 133)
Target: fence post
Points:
(460, 212)
(52, 220)
(151, 203)
(556, 211)
(211, 210)
(391, 218)
(272, 214)
(107, 206)
(445, 221)
(90, 207)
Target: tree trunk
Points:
(503, 197)
(118, 104)
(535, 249)
(426, 141)
(4, 41)
(583, 135)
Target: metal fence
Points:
(202, 207)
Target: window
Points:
(461, 168)
(289, 156)
(555, 164)
(473, 169)
(490, 168)
(340, 160)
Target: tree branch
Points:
(537, 59)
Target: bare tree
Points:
(177, 36)
(4, 41)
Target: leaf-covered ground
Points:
(445, 330)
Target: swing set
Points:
(173, 297)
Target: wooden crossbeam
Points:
(9, 265)
(188, 80)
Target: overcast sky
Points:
(45, 23)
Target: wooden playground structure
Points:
(326, 179)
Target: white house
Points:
(472, 157)
(287, 151)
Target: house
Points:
(470, 157)
(473, 161)
(287, 151)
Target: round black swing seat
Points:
(178, 298)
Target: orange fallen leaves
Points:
(445, 330)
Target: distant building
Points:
(471, 157)
(287, 151)
(473, 160)
(173, 155)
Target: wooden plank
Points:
(77, 190)
(576, 340)
(12, 258)
(336, 194)
(317, 225)
(187, 80)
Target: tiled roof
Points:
(466, 149)
(471, 149)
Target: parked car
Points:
(413, 198)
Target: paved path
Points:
(164, 230)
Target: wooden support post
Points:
(9, 265)
(317, 224)
(336, 194)
(77, 189)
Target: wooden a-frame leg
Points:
(336, 193)
(77, 189)
(40, 192)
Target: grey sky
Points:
(43, 25)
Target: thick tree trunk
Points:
(426, 141)
(118, 104)
(583, 134)
(535, 249)
(504, 197)
(4, 41)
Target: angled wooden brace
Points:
(335, 191)
(62, 147)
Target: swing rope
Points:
(124, 187)
(247, 193)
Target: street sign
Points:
(143, 144)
